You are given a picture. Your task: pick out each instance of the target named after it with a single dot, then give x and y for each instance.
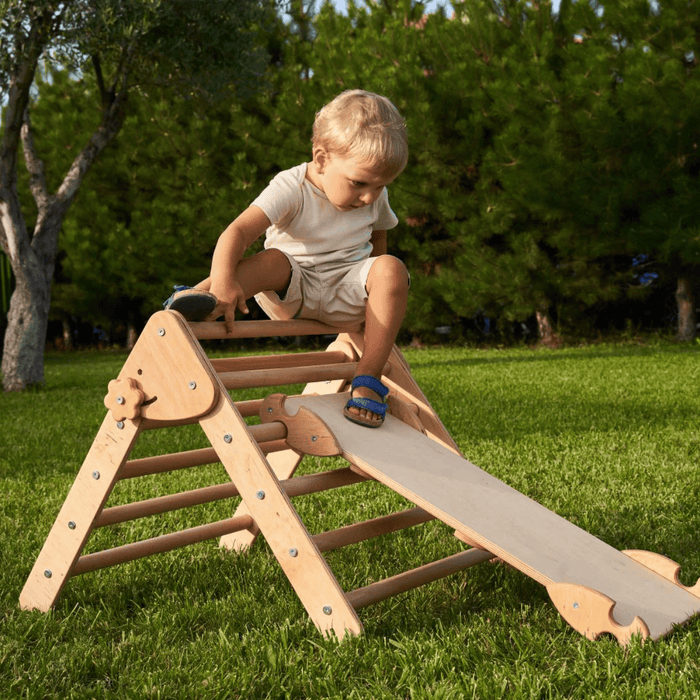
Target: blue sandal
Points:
(376, 407)
(193, 304)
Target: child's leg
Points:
(269, 270)
(387, 289)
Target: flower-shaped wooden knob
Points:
(124, 399)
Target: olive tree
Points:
(202, 48)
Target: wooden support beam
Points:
(157, 545)
(245, 408)
(297, 359)
(291, 375)
(359, 532)
(265, 329)
(160, 464)
(300, 486)
(406, 581)
(288, 375)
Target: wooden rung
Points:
(156, 545)
(168, 463)
(164, 504)
(245, 408)
(297, 359)
(359, 532)
(323, 481)
(408, 580)
(266, 329)
(299, 486)
(288, 375)
(269, 441)
(249, 408)
(291, 375)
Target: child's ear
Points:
(320, 158)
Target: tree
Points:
(203, 49)
(624, 139)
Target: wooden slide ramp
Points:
(595, 587)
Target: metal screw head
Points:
(293, 552)
(71, 525)
(95, 475)
(327, 609)
(120, 400)
(228, 439)
(120, 425)
(48, 573)
(260, 495)
(314, 438)
(161, 332)
(575, 606)
(269, 410)
(192, 385)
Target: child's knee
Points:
(390, 271)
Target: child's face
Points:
(347, 182)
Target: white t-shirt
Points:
(308, 227)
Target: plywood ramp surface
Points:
(523, 533)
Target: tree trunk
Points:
(33, 262)
(27, 320)
(687, 318)
(131, 336)
(67, 335)
(23, 354)
(545, 331)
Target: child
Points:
(325, 249)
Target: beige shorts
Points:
(334, 293)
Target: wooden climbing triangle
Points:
(168, 381)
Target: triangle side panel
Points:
(272, 510)
(74, 523)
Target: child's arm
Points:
(231, 246)
(379, 246)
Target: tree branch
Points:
(109, 127)
(20, 83)
(35, 166)
(97, 65)
(13, 231)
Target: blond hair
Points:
(360, 124)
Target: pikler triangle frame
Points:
(168, 381)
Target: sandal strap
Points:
(368, 405)
(370, 382)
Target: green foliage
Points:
(547, 152)
(605, 435)
(199, 47)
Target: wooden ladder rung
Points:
(299, 486)
(287, 375)
(269, 436)
(245, 408)
(157, 545)
(291, 375)
(408, 580)
(297, 359)
(359, 532)
(265, 329)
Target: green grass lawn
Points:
(607, 436)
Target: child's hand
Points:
(230, 297)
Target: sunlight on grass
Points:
(606, 436)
